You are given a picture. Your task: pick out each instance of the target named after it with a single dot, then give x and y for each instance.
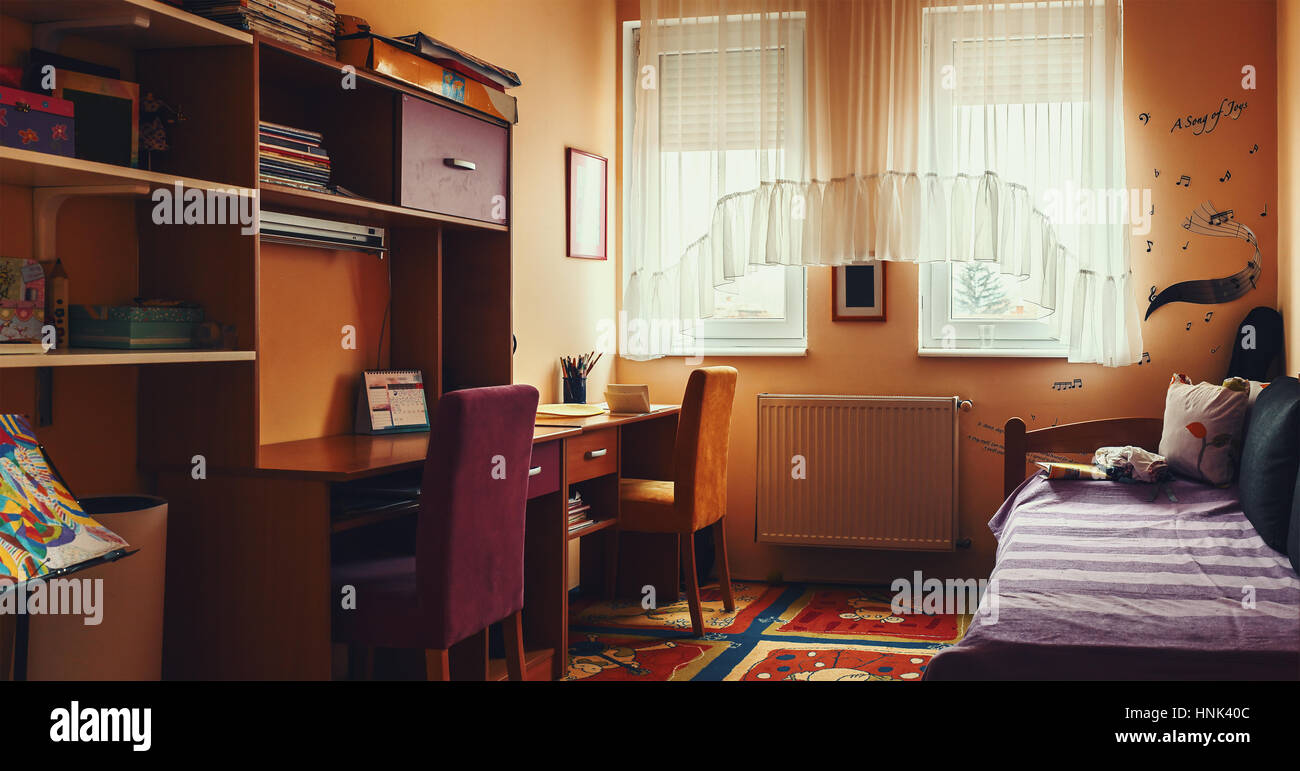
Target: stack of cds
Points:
(305, 24)
(293, 157)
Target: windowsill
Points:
(737, 352)
(992, 353)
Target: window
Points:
(1016, 105)
(763, 311)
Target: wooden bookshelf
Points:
(439, 301)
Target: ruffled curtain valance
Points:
(881, 85)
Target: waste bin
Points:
(127, 643)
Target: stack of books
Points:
(293, 157)
(579, 514)
(305, 24)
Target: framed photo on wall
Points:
(586, 192)
(858, 292)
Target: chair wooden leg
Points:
(724, 569)
(692, 583)
(437, 665)
(512, 629)
(361, 662)
(611, 563)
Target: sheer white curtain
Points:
(823, 132)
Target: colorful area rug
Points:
(776, 632)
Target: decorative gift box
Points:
(101, 333)
(36, 122)
(22, 300)
(175, 312)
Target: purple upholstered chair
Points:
(468, 570)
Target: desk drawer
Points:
(452, 163)
(544, 471)
(591, 455)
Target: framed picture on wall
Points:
(586, 190)
(858, 292)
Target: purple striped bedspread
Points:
(1095, 580)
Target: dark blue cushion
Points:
(1270, 461)
(1293, 538)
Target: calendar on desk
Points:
(391, 401)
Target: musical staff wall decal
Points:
(1209, 221)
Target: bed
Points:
(1104, 580)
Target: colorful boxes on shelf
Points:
(134, 326)
(22, 300)
(36, 122)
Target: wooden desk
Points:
(248, 577)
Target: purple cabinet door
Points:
(452, 163)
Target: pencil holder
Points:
(575, 390)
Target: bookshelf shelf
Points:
(164, 26)
(99, 357)
(27, 168)
(361, 210)
(601, 524)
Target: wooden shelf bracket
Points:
(46, 202)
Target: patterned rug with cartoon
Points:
(776, 632)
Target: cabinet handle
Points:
(460, 163)
(593, 454)
(534, 471)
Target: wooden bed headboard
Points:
(1082, 437)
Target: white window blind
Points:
(1019, 70)
(693, 85)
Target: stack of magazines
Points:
(579, 514)
(305, 24)
(293, 157)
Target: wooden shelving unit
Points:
(443, 295)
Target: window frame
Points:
(721, 337)
(1010, 337)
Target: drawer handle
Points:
(460, 163)
(534, 471)
(593, 454)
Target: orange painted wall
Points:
(1182, 56)
(562, 51)
(1288, 206)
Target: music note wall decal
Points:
(1183, 181)
(1207, 220)
(1227, 175)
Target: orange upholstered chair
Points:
(696, 497)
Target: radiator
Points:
(868, 472)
